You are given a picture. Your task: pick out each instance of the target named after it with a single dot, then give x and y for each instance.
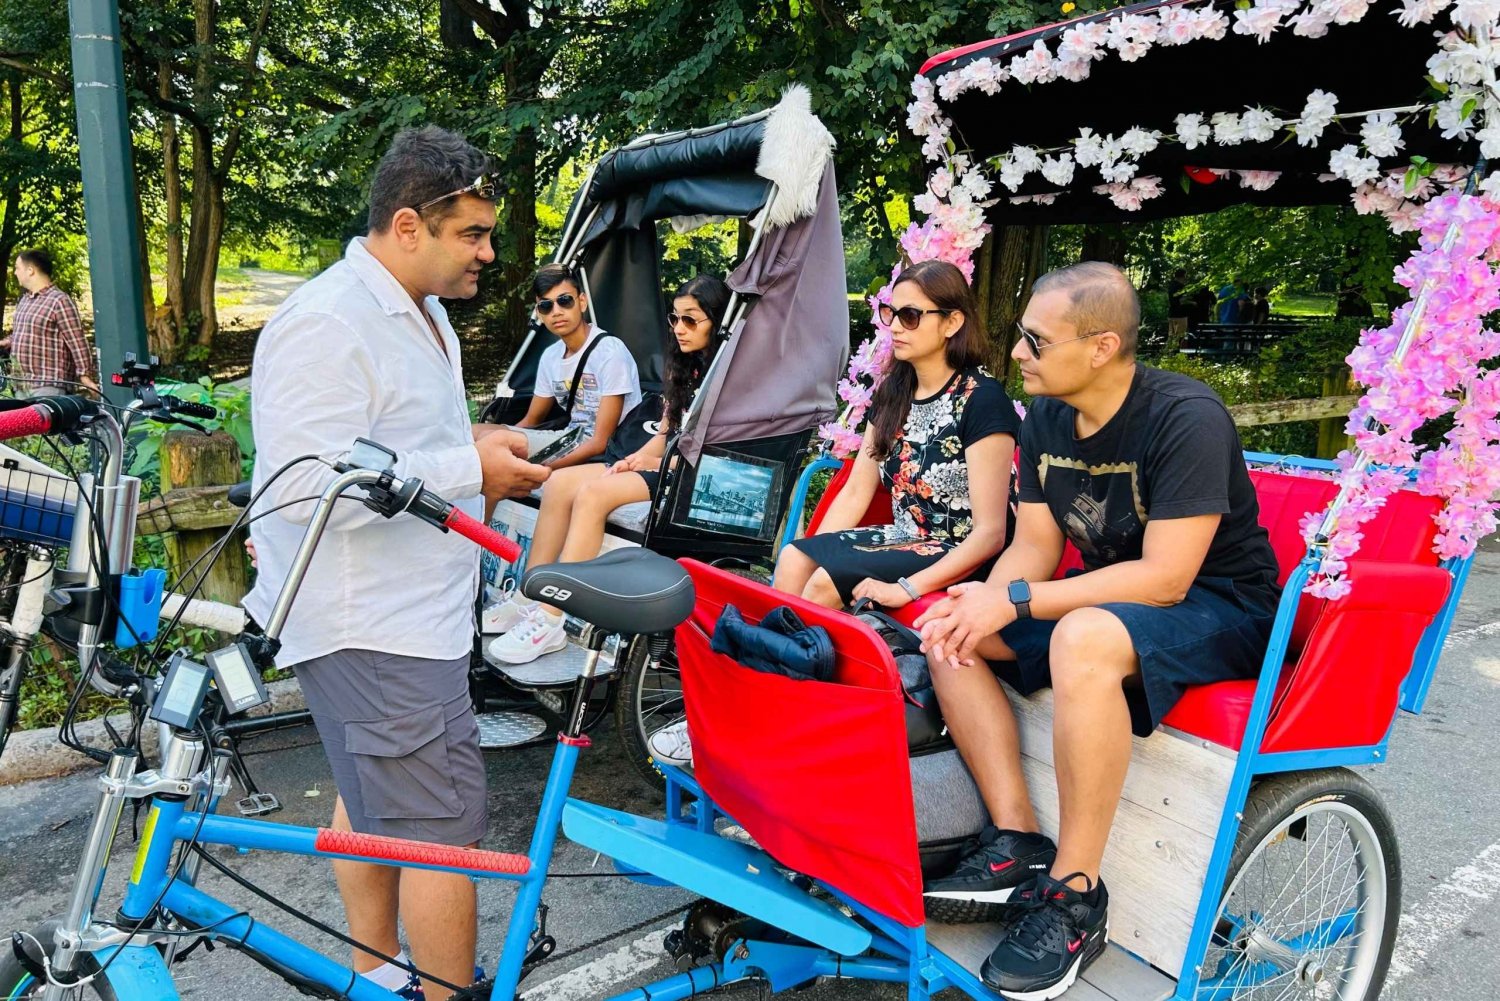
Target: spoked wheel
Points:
(648, 700)
(1314, 895)
(16, 983)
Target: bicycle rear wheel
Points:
(649, 699)
(17, 984)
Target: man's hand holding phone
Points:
(507, 474)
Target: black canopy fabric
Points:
(1374, 63)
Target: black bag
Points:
(925, 731)
(645, 421)
(561, 421)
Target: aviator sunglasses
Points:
(1035, 346)
(690, 323)
(910, 317)
(564, 301)
(483, 186)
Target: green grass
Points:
(1306, 304)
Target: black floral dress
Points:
(927, 474)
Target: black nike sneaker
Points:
(1056, 934)
(993, 866)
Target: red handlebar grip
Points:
(484, 535)
(23, 422)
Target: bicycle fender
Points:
(139, 973)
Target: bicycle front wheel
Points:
(1314, 894)
(17, 984)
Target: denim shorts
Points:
(1218, 632)
(403, 743)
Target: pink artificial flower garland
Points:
(1440, 374)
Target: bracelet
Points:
(907, 587)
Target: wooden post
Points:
(190, 459)
(1331, 436)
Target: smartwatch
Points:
(1019, 592)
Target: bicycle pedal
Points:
(258, 804)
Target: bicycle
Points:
(632, 592)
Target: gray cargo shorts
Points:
(401, 737)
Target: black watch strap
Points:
(1019, 592)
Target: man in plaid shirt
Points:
(47, 344)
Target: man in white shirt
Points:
(380, 633)
(611, 383)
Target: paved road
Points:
(1442, 785)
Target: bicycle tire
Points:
(642, 706)
(17, 984)
(1290, 814)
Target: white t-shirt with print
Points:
(611, 371)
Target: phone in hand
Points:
(559, 446)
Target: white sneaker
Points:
(538, 633)
(670, 745)
(503, 616)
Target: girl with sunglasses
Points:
(578, 500)
(941, 437)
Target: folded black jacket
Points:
(781, 644)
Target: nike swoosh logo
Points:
(1001, 866)
(1074, 946)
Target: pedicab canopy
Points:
(1178, 107)
(778, 369)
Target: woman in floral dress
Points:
(941, 437)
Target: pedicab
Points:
(783, 342)
(1247, 858)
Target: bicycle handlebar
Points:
(24, 422)
(55, 414)
(481, 534)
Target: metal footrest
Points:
(553, 670)
(257, 804)
(508, 729)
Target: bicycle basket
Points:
(36, 506)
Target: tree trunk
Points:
(170, 320)
(518, 246)
(1105, 241)
(1008, 265)
(12, 193)
(203, 237)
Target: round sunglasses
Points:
(564, 301)
(910, 317)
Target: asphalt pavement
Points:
(1442, 785)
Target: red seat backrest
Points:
(878, 513)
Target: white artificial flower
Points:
(1490, 187)
(1210, 22)
(1317, 115)
(1036, 66)
(1259, 21)
(926, 203)
(1026, 158)
(1177, 26)
(941, 182)
(1118, 170)
(1138, 142)
(1058, 169)
(976, 185)
(1415, 12)
(1476, 14)
(1077, 43)
(935, 145)
(1451, 118)
(1147, 187)
(1258, 180)
(1381, 134)
(1011, 174)
(1124, 41)
(1311, 23)
(950, 85)
(1228, 129)
(1489, 138)
(1073, 69)
(1192, 132)
(1259, 125)
(1348, 164)
(1346, 11)
(1088, 149)
(990, 76)
(1459, 62)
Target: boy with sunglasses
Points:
(1142, 471)
(609, 385)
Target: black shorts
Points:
(1218, 632)
(852, 556)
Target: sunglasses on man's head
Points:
(564, 301)
(689, 322)
(483, 186)
(910, 317)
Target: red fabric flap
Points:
(816, 772)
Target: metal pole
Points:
(109, 195)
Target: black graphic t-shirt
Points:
(1171, 451)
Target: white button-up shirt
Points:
(349, 355)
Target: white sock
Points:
(389, 975)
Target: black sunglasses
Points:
(1035, 346)
(483, 186)
(564, 301)
(910, 317)
(690, 322)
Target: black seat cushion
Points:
(630, 591)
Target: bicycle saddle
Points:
(239, 494)
(631, 591)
